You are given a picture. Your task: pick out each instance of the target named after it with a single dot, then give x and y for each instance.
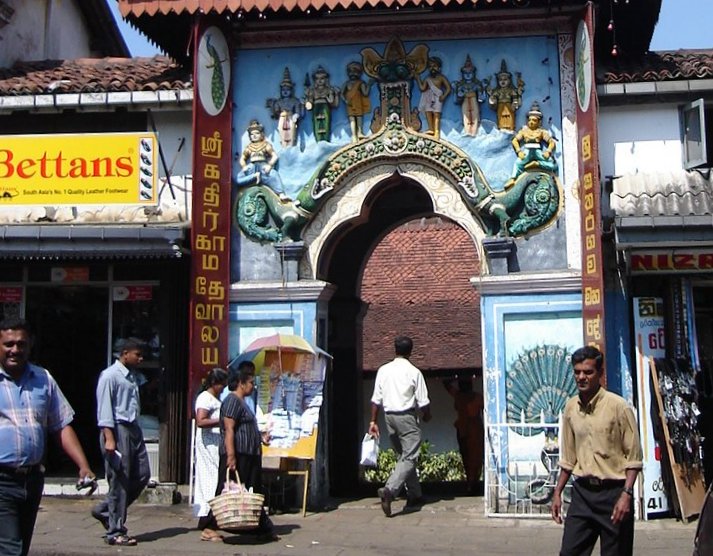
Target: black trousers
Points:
(20, 496)
(589, 518)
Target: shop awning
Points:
(90, 242)
(663, 209)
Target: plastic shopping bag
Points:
(369, 451)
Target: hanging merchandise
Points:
(674, 388)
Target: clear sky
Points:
(682, 24)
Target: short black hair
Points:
(403, 345)
(588, 352)
(130, 344)
(16, 323)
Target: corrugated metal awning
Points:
(50, 241)
(663, 209)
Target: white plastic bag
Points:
(369, 451)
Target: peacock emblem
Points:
(217, 80)
(538, 384)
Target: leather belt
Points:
(595, 483)
(22, 470)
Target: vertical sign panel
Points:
(592, 272)
(210, 225)
(650, 342)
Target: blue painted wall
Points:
(258, 73)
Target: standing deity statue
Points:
(355, 93)
(258, 161)
(534, 146)
(434, 90)
(505, 99)
(469, 93)
(320, 98)
(287, 110)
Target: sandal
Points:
(210, 535)
(121, 540)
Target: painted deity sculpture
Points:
(355, 93)
(532, 203)
(469, 94)
(287, 110)
(506, 97)
(534, 146)
(258, 162)
(434, 90)
(320, 98)
(394, 71)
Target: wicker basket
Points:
(237, 510)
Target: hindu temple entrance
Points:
(398, 269)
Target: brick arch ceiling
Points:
(417, 282)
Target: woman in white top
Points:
(207, 443)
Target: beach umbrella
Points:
(280, 342)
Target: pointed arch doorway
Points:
(394, 203)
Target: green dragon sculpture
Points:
(530, 203)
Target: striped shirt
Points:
(247, 439)
(30, 407)
(117, 396)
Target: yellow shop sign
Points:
(79, 169)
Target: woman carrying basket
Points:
(208, 442)
(241, 449)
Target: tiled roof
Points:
(89, 75)
(658, 66)
(152, 7)
(679, 193)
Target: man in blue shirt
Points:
(31, 407)
(121, 441)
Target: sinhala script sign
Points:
(81, 169)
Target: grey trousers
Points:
(126, 477)
(405, 436)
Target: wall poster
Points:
(650, 342)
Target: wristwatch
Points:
(629, 491)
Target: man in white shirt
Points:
(401, 390)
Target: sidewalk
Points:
(448, 526)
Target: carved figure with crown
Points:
(534, 146)
(287, 110)
(469, 94)
(505, 98)
(321, 97)
(258, 161)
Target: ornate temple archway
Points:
(348, 206)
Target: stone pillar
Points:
(501, 255)
(290, 256)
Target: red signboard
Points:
(69, 274)
(133, 293)
(670, 260)
(589, 193)
(210, 223)
(11, 294)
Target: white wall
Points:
(635, 139)
(29, 36)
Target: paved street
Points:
(452, 526)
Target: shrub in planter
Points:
(432, 467)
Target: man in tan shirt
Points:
(601, 448)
